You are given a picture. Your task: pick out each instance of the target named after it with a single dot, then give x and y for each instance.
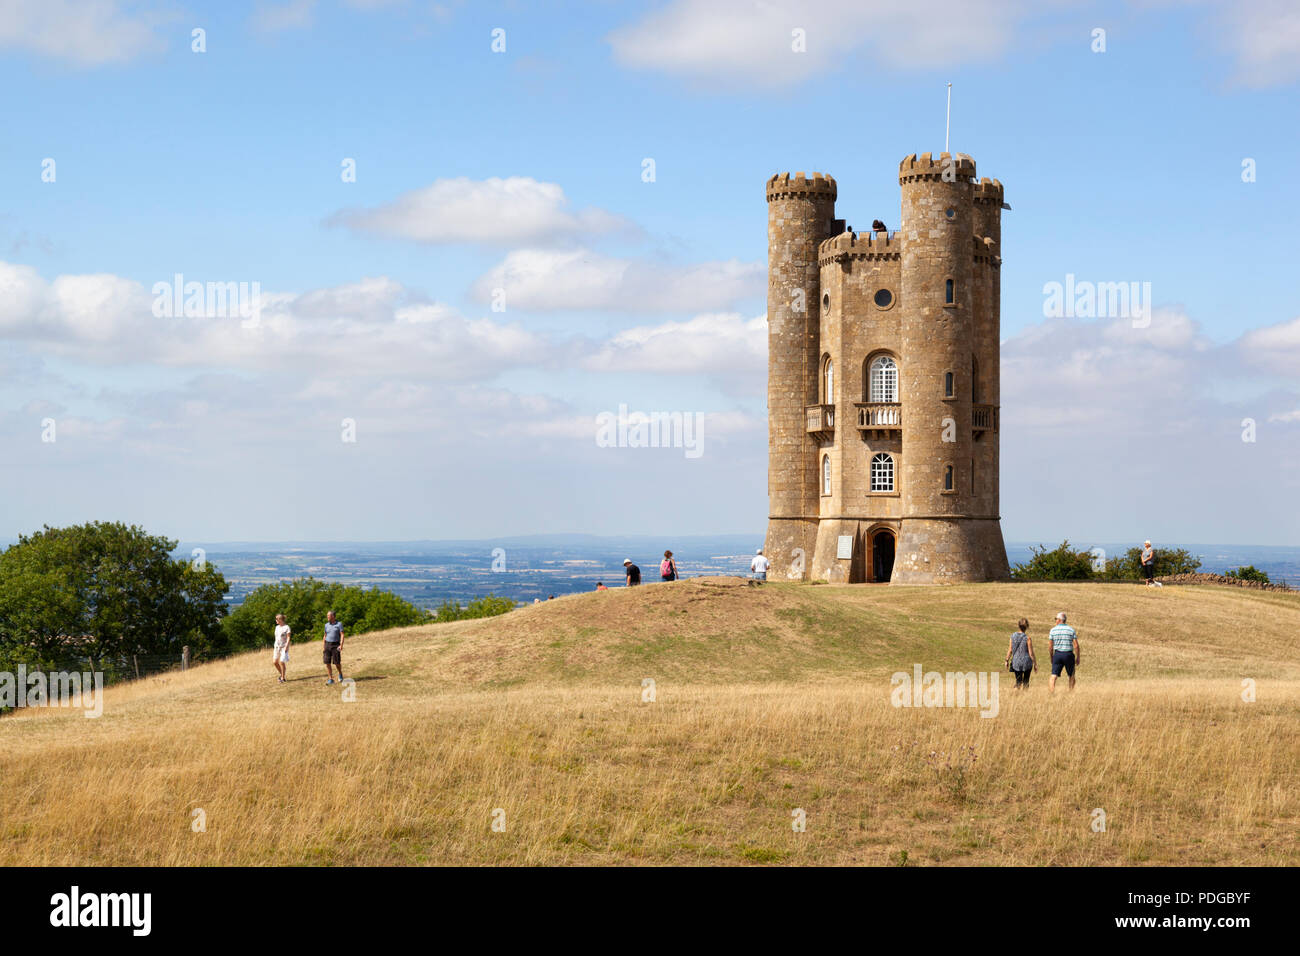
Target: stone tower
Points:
(883, 368)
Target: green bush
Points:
(487, 606)
(1248, 572)
(1062, 563)
(1167, 561)
(304, 603)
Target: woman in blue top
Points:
(1020, 654)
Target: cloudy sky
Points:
(474, 228)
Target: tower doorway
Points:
(882, 556)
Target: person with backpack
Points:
(668, 567)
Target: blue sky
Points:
(522, 170)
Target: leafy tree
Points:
(487, 606)
(1062, 563)
(1167, 561)
(105, 591)
(1248, 572)
(304, 602)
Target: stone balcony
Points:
(820, 420)
(984, 418)
(880, 419)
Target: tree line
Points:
(109, 594)
(1066, 563)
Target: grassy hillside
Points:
(768, 700)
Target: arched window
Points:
(949, 292)
(947, 478)
(947, 385)
(828, 383)
(883, 376)
(882, 472)
(826, 474)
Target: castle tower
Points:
(800, 214)
(894, 473)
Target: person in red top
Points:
(600, 586)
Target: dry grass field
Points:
(767, 701)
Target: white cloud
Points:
(1113, 431)
(275, 17)
(371, 327)
(83, 32)
(493, 211)
(1274, 348)
(1264, 36)
(721, 345)
(543, 280)
(747, 42)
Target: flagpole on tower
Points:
(947, 122)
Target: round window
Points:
(884, 298)
(950, 214)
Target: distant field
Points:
(767, 701)
(428, 573)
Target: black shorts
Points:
(333, 653)
(1062, 659)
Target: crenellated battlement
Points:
(862, 245)
(930, 167)
(988, 190)
(799, 186)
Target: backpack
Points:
(666, 568)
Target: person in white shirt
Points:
(280, 654)
(760, 565)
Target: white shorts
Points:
(280, 654)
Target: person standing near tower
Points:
(758, 567)
(1148, 563)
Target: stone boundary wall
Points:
(1200, 577)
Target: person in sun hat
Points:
(633, 573)
(758, 567)
(1065, 652)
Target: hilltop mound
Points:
(770, 700)
(726, 629)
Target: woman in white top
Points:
(280, 654)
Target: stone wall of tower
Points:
(988, 199)
(854, 330)
(947, 530)
(801, 213)
(950, 233)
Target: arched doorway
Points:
(882, 555)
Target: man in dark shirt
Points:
(633, 572)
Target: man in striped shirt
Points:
(1065, 652)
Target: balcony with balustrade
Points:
(984, 418)
(878, 420)
(820, 420)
